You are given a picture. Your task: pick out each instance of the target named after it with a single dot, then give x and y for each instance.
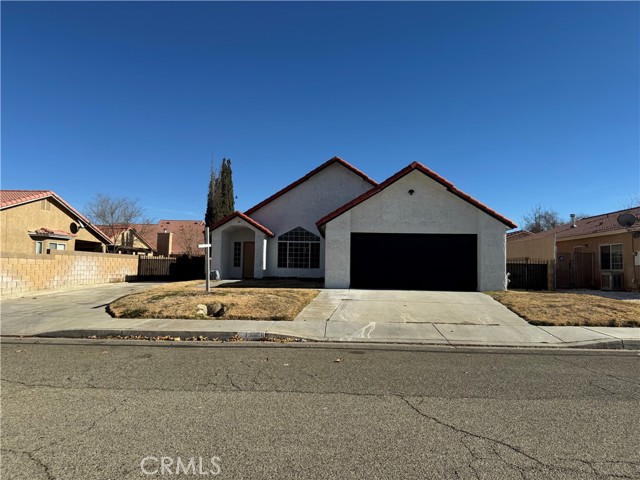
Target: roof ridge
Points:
(400, 174)
(306, 177)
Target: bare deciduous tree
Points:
(114, 214)
(189, 238)
(632, 202)
(539, 219)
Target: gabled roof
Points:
(9, 198)
(598, 224)
(518, 234)
(194, 232)
(394, 178)
(13, 198)
(291, 186)
(119, 229)
(244, 217)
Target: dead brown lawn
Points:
(549, 308)
(179, 300)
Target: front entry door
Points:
(248, 256)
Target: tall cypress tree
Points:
(220, 199)
(229, 200)
(210, 213)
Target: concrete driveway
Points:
(394, 306)
(35, 312)
(404, 316)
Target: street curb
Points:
(600, 344)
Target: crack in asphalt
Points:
(496, 442)
(35, 460)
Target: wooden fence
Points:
(527, 274)
(171, 268)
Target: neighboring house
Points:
(166, 238)
(517, 235)
(126, 239)
(415, 230)
(592, 252)
(35, 221)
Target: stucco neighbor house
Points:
(415, 230)
(590, 252)
(37, 221)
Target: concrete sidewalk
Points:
(326, 331)
(427, 318)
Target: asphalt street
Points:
(109, 410)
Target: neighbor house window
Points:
(57, 246)
(38, 247)
(611, 257)
(237, 248)
(298, 248)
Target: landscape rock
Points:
(201, 310)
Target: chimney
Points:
(165, 243)
(573, 220)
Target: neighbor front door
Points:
(248, 256)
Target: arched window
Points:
(298, 248)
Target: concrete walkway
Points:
(431, 318)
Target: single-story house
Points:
(592, 252)
(126, 239)
(165, 238)
(37, 221)
(415, 230)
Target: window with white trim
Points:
(298, 248)
(237, 253)
(611, 257)
(57, 246)
(38, 247)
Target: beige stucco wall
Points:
(535, 248)
(592, 245)
(16, 222)
(23, 273)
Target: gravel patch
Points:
(627, 296)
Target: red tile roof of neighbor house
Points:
(606, 222)
(13, 198)
(518, 234)
(291, 186)
(244, 217)
(431, 174)
(44, 231)
(187, 234)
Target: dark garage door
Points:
(414, 261)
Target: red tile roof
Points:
(44, 231)
(187, 234)
(16, 197)
(431, 174)
(518, 234)
(606, 222)
(291, 186)
(13, 198)
(244, 217)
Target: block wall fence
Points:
(26, 273)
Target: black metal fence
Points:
(527, 274)
(171, 268)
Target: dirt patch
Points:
(180, 300)
(551, 308)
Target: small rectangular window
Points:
(237, 254)
(57, 246)
(611, 257)
(39, 248)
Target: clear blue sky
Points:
(516, 103)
